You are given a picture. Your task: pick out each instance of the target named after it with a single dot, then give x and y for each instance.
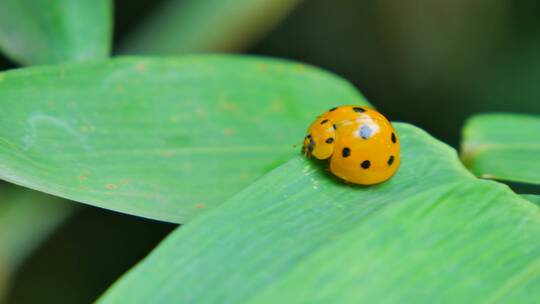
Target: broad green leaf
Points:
(205, 25)
(503, 146)
(45, 32)
(27, 218)
(433, 233)
(160, 138)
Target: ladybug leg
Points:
(306, 153)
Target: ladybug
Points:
(361, 143)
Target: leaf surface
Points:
(159, 138)
(433, 233)
(503, 146)
(532, 198)
(47, 32)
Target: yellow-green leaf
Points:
(161, 138)
(45, 32)
(434, 233)
(188, 26)
(503, 146)
(532, 198)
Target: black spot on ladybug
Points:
(334, 126)
(332, 109)
(345, 152)
(308, 136)
(391, 160)
(329, 140)
(365, 131)
(359, 109)
(365, 164)
(324, 121)
(394, 137)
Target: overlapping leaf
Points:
(161, 138)
(532, 198)
(45, 32)
(26, 219)
(503, 146)
(180, 26)
(433, 233)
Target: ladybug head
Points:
(309, 145)
(320, 148)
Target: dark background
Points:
(429, 63)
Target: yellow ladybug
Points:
(361, 143)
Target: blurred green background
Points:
(430, 63)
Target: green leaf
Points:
(503, 146)
(433, 233)
(533, 198)
(27, 218)
(205, 25)
(160, 138)
(46, 32)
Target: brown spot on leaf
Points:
(166, 153)
(141, 67)
(227, 105)
(228, 132)
(111, 186)
(174, 119)
(87, 128)
(277, 106)
(200, 112)
(300, 67)
(245, 176)
(263, 67)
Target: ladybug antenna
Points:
(298, 144)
